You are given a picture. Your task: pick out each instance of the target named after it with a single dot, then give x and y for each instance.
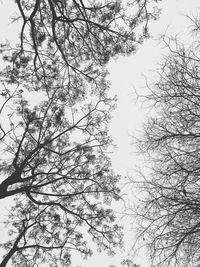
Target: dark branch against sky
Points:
(55, 163)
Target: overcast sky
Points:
(125, 75)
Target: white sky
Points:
(125, 75)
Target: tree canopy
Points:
(55, 110)
(74, 39)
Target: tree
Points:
(58, 162)
(55, 162)
(169, 212)
(74, 38)
(48, 235)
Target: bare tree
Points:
(169, 212)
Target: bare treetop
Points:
(169, 212)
